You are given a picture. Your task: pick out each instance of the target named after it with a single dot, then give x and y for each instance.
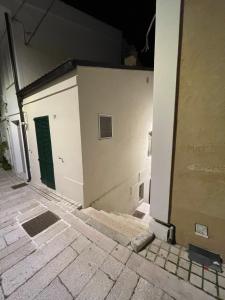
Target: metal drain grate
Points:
(138, 214)
(206, 258)
(40, 223)
(17, 186)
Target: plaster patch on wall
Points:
(205, 148)
(199, 168)
(73, 180)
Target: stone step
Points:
(133, 221)
(131, 217)
(133, 227)
(114, 235)
(119, 228)
(111, 222)
(111, 233)
(100, 218)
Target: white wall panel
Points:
(165, 74)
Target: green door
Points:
(45, 151)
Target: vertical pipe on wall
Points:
(176, 105)
(16, 83)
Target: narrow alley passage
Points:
(70, 259)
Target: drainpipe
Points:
(19, 100)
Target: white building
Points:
(88, 132)
(43, 36)
(167, 40)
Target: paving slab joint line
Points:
(44, 288)
(30, 210)
(107, 275)
(99, 268)
(85, 221)
(114, 248)
(16, 223)
(119, 261)
(217, 285)
(81, 234)
(148, 282)
(62, 281)
(1, 289)
(5, 243)
(202, 276)
(189, 270)
(28, 241)
(139, 277)
(52, 238)
(41, 269)
(92, 275)
(53, 278)
(89, 280)
(114, 282)
(19, 259)
(49, 240)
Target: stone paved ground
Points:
(174, 259)
(71, 260)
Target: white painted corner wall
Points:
(64, 33)
(104, 170)
(164, 92)
(114, 168)
(59, 101)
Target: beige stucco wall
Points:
(198, 194)
(59, 101)
(114, 168)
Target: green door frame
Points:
(43, 137)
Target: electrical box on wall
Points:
(201, 230)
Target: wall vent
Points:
(105, 126)
(201, 230)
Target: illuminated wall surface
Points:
(199, 175)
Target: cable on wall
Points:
(23, 27)
(39, 23)
(20, 6)
(146, 47)
(18, 9)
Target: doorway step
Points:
(122, 228)
(61, 201)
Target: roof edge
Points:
(47, 78)
(66, 67)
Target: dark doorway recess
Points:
(40, 223)
(45, 151)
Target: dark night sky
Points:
(132, 19)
